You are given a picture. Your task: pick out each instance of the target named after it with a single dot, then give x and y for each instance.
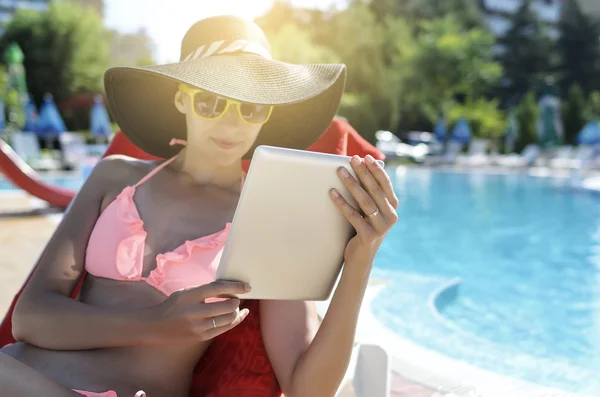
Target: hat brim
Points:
(306, 98)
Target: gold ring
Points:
(214, 324)
(374, 213)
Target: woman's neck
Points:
(203, 172)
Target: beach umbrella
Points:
(549, 124)
(589, 134)
(31, 116)
(461, 131)
(440, 130)
(50, 123)
(99, 120)
(548, 134)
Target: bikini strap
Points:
(163, 165)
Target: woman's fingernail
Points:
(344, 172)
(244, 313)
(247, 287)
(334, 193)
(355, 160)
(369, 159)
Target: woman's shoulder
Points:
(118, 171)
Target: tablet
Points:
(287, 237)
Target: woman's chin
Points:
(227, 158)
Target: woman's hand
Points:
(186, 314)
(377, 201)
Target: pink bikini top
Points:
(116, 248)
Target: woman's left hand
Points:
(377, 201)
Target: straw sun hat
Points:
(227, 56)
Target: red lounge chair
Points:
(236, 363)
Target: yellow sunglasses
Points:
(209, 106)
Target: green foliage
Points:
(527, 52)
(448, 63)
(371, 51)
(3, 80)
(574, 114)
(593, 106)
(65, 47)
(467, 12)
(402, 69)
(527, 116)
(294, 45)
(485, 118)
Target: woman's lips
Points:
(225, 144)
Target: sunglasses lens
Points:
(208, 105)
(254, 113)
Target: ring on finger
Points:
(373, 214)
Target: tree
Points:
(526, 52)
(291, 44)
(484, 117)
(593, 106)
(466, 12)
(448, 64)
(372, 51)
(527, 116)
(574, 114)
(65, 47)
(579, 48)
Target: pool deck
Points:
(26, 224)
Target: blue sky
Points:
(166, 21)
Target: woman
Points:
(149, 307)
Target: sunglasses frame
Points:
(191, 92)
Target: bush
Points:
(485, 118)
(574, 114)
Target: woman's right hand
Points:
(187, 314)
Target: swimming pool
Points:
(527, 253)
(66, 182)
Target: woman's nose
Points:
(231, 113)
(232, 116)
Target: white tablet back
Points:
(287, 237)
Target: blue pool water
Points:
(66, 182)
(527, 252)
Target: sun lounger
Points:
(231, 345)
(369, 373)
(476, 156)
(527, 157)
(26, 145)
(73, 149)
(562, 158)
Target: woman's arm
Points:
(313, 369)
(309, 363)
(45, 315)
